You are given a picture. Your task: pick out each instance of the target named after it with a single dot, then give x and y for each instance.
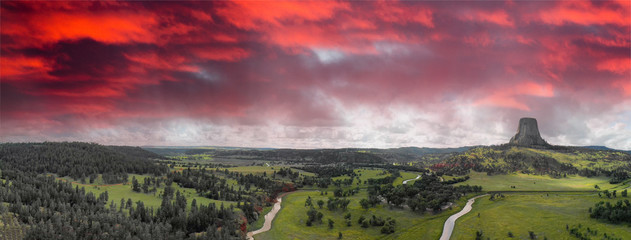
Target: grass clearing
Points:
(596, 159)
(290, 223)
(365, 174)
(203, 157)
(546, 214)
(117, 191)
(268, 170)
(525, 182)
(405, 176)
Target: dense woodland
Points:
(79, 160)
(55, 210)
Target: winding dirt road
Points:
(451, 221)
(417, 177)
(269, 217)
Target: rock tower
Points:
(528, 134)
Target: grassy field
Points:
(524, 182)
(364, 174)
(193, 157)
(596, 159)
(405, 176)
(545, 214)
(290, 221)
(580, 159)
(118, 191)
(268, 170)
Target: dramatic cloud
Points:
(312, 74)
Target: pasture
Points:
(290, 223)
(525, 182)
(545, 214)
(405, 176)
(117, 191)
(268, 170)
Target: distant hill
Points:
(358, 155)
(605, 148)
(424, 150)
(553, 160)
(79, 160)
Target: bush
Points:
(532, 235)
(365, 224)
(361, 220)
(478, 235)
(388, 227)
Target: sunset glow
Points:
(315, 74)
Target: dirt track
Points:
(406, 181)
(269, 217)
(451, 221)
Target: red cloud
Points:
(499, 17)
(507, 96)
(619, 66)
(153, 61)
(16, 67)
(83, 65)
(479, 39)
(230, 54)
(401, 14)
(624, 85)
(297, 26)
(586, 13)
(254, 15)
(109, 27)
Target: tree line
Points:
(55, 209)
(426, 193)
(79, 160)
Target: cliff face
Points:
(528, 134)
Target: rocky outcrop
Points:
(528, 134)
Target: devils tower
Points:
(528, 134)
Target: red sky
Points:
(315, 74)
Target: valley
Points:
(315, 120)
(393, 196)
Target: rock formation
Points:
(528, 134)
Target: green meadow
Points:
(117, 191)
(268, 170)
(405, 176)
(545, 214)
(193, 157)
(525, 182)
(595, 159)
(290, 222)
(366, 173)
